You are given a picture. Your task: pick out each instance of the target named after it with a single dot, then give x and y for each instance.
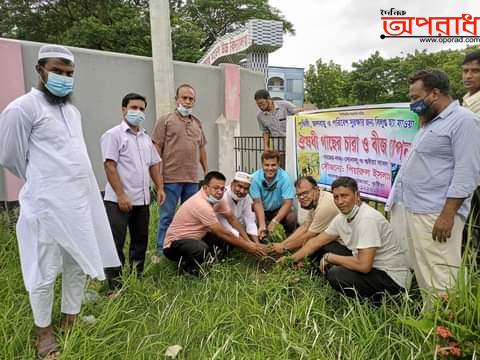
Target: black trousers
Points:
(191, 254)
(289, 222)
(137, 221)
(371, 286)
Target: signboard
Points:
(366, 143)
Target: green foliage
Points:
(277, 235)
(376, 80)
(238, 310)
(124, 25)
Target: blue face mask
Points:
(419, 107)
(59, 85)
(184, 111)
(212, 200)
(135, 117)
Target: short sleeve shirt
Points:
(370, 229)
(194, 217)
(272, 194)
(275, 123)
(179, 140)
(320, 217)
(134, 154)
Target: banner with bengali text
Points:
(366, 143)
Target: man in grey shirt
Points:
(272, 117)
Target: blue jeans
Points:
(173, 193)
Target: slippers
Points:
(47, 347)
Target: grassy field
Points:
(239, 310)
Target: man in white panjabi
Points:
(240, 203)
(62, 226)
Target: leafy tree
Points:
(124, 25)
(325, 84)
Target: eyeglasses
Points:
(304, 193)
(269, 187)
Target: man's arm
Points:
(15, 129)
(295, 241)
(113, 178)
(442, 229)
(232, 219)
(260, 213)
(282, 213)
(203, 159)
(313, 245)
(247, 246)
(157, 181)
(363, 262)
(266, 145)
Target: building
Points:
(286, 83)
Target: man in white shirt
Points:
(368, 262)
(240, 202)
(62, 226)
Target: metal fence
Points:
(248, 152)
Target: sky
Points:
(347, 31)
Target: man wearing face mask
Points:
(63, 227)
(181, 143)
(358, 253)
(196, 233)
(321, 208)
(240, 202)
(433, 189)
(130, 160)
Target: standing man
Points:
(272, 117)
(471, 81)
(358, 253)
(433, 188)
(238, 199)
(272, 193)
(196, 233)
(181, 143)
(321, 211)
(62, 226)
(130, 159)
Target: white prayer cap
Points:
(55, 51)
(243, 177)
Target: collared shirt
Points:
(134, 154)
(272, 194)
(370, 229)
(275, 122)
(472, 102)
(242, 209)
(179, 140)
(194, 217)
(444, 162)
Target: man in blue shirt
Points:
(272, 193)
(432, 192)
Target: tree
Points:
(124, 25)
(325, 84)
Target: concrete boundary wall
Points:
(103, 78)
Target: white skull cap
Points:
(55, 51)
(243, 177)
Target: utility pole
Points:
(162, 58)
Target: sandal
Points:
(47, 347)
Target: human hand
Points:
(262, 233)
(258, 250)
(160, 197)
(278, 248)
(124, 203)
(324, 263)
(442, 229)
(271, 225)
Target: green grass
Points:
(239, 310)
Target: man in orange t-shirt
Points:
(196, 233)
